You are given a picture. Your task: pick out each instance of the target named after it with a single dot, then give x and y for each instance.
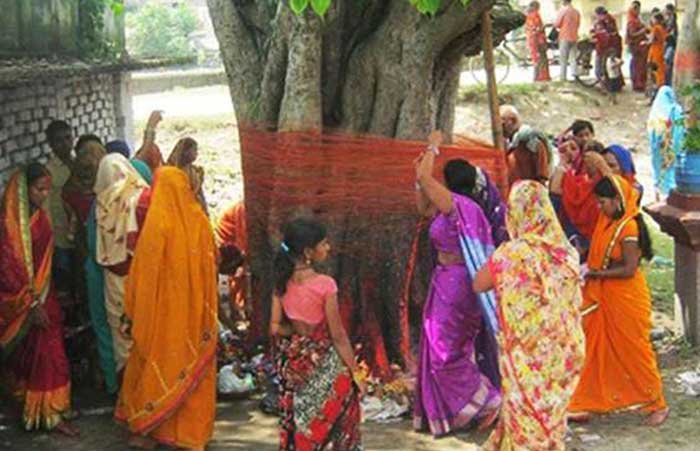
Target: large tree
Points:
(380, 67)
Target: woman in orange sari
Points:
(31, 332)
(620, 372)
(537, 42)
(168, 394)
(657, 39)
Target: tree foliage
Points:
(321, 6)
(162, 31)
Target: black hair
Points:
(580, 125)
(460, 176)
(637, 3)
(606, 189)
(55, 127)
(231, 259)
(86, 139)
(671, 40)
(670, 7)
(659, 17)
(654, 10)
(299, 234)
(601, 10)
(34, 171)
(594, 146)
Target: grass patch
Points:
(659, 272)
(477, 91)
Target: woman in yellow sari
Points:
(168, 393)
(620, 372)
(541, 353)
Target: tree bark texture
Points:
(375, 67)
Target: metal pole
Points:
(487, 47)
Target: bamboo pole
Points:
(487, 47)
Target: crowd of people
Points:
(537, 312)
(651, 45)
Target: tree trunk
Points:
(374, 67)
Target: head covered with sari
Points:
(84, 170)
(26, 251)
(607, 230)
(536, 276)
(118, 187)
(171, 301)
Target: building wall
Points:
(92, 104)
(48, 27)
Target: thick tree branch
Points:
(239, 50)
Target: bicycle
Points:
(584, 65)
(506, 53)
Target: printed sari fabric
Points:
(639, 50)
(34, 357)
(665, 130)
(168, 392)
(452, 389)
(541, 343)
(620, 372)
(119, 213)
(319, 400)
(537, 44)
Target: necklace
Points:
(301, 268)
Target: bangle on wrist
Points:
(418, 186)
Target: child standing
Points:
(319, 400)
(614, 83)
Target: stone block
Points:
(34, 127)
(35, 152)
(11, 146)
(89, 107)
(18, 130)
(94, 116)
(4, 135)
(5, 163)
(53, 113)
(38, 113)
(8, 120)
(25, 115)
(79, 110)
(26, 141)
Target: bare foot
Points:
(140, 442)
(488, 419)
(67, 429)
(657, 418)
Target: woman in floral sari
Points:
(319, 400)
(541, 352)
(168, 394)
(120, 211)
(537, 42)
(665, 130)
(457, 384)
(620, 372)
(31, 332)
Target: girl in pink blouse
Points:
(320, 400)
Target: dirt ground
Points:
(241, 426)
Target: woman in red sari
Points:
(537, 42)
(636, 42)
(31, 332)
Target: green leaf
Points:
(117, 8)
(320, 6)
(298, 6)
(465, 3)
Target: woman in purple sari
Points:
(457, 382)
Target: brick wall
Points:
(90, 104)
